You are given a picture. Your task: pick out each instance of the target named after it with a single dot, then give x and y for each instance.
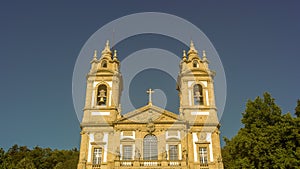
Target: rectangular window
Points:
(127, 152)
(173, 152)
(203, 155)
(97, 155)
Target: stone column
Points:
(83, 150)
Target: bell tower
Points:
(195, 84)
(196, 88)
(104, 87)
(102, 108)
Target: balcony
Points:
(135, 164)
(96, 166)
(204, 166)
(150, 164)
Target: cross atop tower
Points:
(150, 91)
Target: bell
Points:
(197, 94)
(101, 100)
(102, 96)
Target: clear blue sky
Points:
(258, 43)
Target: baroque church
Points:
(150, 137)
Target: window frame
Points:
(151, 152)
(95, 95)
(104, 64)
(203, 159)
(97, 162)
(201, 90)
(98, 93)
(195, 64)
(124, 154)
(173, 153)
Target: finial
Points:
(203, 54)
(192, 48)
(95, 53)
(107, 44)
(115, 54)
(106, 48)
(184, 55)
(94, 57)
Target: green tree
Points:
(297, 109)
(69, 159)
(41, 157)
(20, 157)
(268, 139)
(25, 163)
(297, 132)
(69, 164)
(2, 157)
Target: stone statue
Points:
(118, 155)
(164, 155)
(184, 154)
(137, 155)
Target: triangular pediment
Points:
(148, 112)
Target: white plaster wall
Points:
(203, 113)
(105, 140)
(91, 139)
(195, 139)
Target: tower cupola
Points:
(192, 53)
(106, 52)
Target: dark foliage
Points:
(21, 157)
(269, 139)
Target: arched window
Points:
(101, 95)
(104, 64)
(150, 147)
(198, 95)
(195, 64)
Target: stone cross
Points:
(150, 91)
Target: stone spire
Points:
(93, 62)
(184, 58)
(106, 49)
(95, 54)
(204, 58)
(192, 49)
(116, 62)
(115, 55)
(94, 57)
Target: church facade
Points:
(150, 137)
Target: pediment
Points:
(144, 114)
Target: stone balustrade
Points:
(149, 163)
(153, 164)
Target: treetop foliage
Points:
(297, 109)
(21, 157)
(269, 139)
